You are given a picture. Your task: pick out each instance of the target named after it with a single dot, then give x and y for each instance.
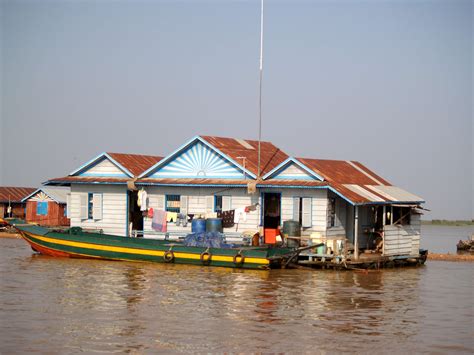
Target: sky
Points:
(386, 83)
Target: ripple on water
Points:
(67, 305)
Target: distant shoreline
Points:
(445, 222)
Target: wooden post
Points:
(356, 232)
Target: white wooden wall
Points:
(318, 206)
(198, 202)
(104, 168)
(114, 208)
(401, 240)
(197, 198)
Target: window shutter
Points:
(68, 205)
(226, 203)
(184, 204)
(83, 206)
(97, 206)
(296, 208)
(209, 204)
(160, 202)
(306, 220)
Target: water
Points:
(57, 305)
(443, 239)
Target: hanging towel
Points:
(171, 216)
(159, 221)
(238, 214)
(227, 218)
(144, 200)
(150, 213)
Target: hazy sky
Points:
(387, 83)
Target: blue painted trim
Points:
(68, 183)
(186, 145)
(96, 160)
(295, 161)
(31, 195)
(340, 195)
(127, 220)
(389, 203)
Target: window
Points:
(217, 203)
(65, 211)
(401, 215)
(42, 208)
(331, 212)
(90, 206)
(221, 203)
(302, 211)
(173, 203)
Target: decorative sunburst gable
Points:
(102, 166)
(41, 196)
(292, 169)
(197, 160)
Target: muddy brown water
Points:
(56, 305)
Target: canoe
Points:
(75, 243)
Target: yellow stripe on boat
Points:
(177, 254)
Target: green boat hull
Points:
(77, 244)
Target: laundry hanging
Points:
(159, 221)
(144, 200)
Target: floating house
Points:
(47, 206)
(12, 197)
(340, 200)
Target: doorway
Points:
(271, 210)
(135, 216)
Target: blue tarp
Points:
(206, 239)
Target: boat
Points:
(466, 245)
(77, 243)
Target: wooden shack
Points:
(47, 206)
(12, 197)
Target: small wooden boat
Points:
(76, 243)
(466, 245)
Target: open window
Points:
(302, 211)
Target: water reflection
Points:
(57, 305)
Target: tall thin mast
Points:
(260, 91)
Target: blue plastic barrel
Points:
(214, 225)
(198, 225)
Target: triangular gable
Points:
(292, 169)
(102, 166)
(197, 159)
(38, 195)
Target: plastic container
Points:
(214, 225)
(270, 235)
(292, 229)
(198, 225)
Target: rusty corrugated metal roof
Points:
(86, 179)
(14, 194)
(135, 163)
(356, 182)
(343, 171)
(270, 155)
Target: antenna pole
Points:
(260, 91)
